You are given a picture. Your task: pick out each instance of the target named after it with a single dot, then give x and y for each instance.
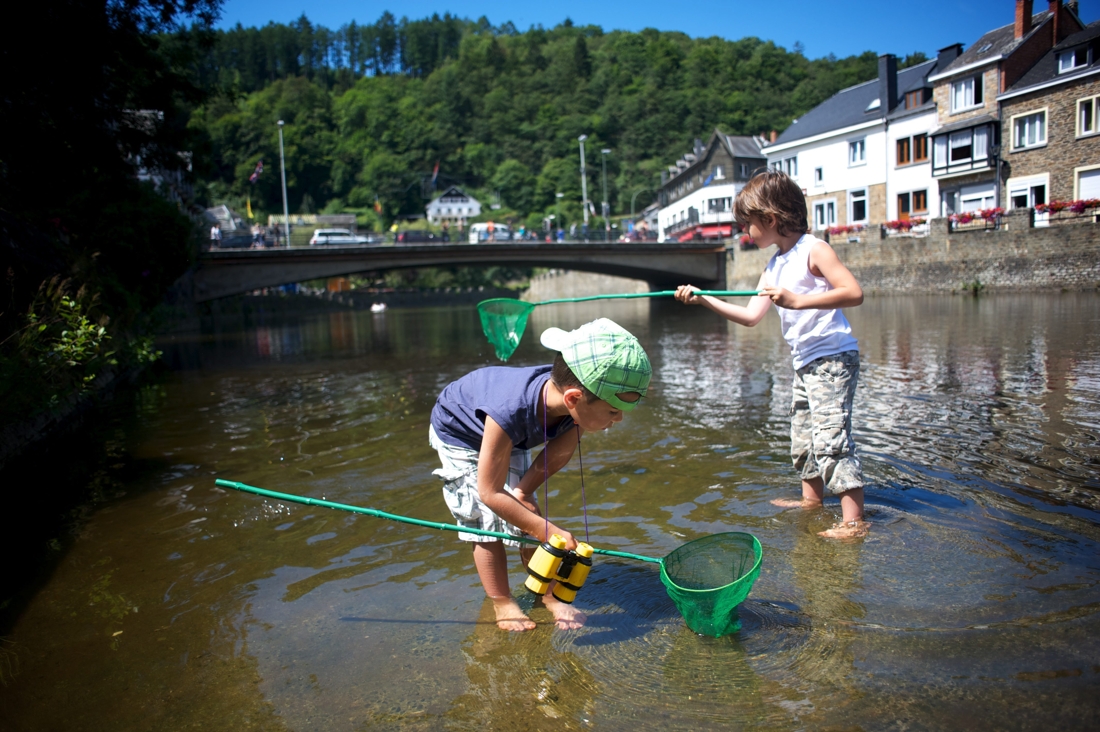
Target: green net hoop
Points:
(708, 578)
(503, 321)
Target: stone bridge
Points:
(225, 272)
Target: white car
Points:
(337, 236)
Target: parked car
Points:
(480, 233)
(337, 236)
(417, 236)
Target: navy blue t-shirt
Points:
(509, 395)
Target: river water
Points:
(974, 602)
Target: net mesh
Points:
(708, 578)
(503, 321)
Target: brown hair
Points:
(773, 195)
(564, 377)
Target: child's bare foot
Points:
(509, 616)
(847, 530)
(566, 616)
(795, 503)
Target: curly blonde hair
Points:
(773, 195)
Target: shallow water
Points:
(972, 604)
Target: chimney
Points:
(773, 136)
(699, 148)
(887, 83)
(1055, 8)
(947, 55)
(1023, 18)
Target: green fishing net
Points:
(708, 578)
(503, 321)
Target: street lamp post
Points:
(640, 190)
(606, 207)
(557, 210)
(584, 184)
(282, 166)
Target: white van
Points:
(480, 233)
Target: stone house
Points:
(967, 144)
(1049, 126)
(696, 195)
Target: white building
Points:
(862, 156)
(453, 206)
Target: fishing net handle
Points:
(306, 500)
(659, 293)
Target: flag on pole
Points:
(435, 173)
(256, 173)
(377, 205)
(248, 206)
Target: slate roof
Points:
(995, 44)
(1046, 68)
(849, 106)
(739, 146)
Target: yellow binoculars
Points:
(552, 562)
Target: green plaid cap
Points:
(606, 358)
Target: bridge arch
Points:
(226, 272)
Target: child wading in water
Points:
(808, 285)
(484, 425)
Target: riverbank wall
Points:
(557, 284)
(1017, 256)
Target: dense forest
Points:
(370, 110)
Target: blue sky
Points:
(822, 27)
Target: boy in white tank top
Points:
(808, 285)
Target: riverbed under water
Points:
(973, 603)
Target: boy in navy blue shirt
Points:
(484, 425)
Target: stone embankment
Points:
(1018, 256)
(558, 284)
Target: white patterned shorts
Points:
(821, 422)
(459, 475)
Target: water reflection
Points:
(974, 598)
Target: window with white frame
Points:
(790, 166)
(977, 197)
(824, 214)
(857, 206)
(1072, 59)
(857, 152)
(966, 93)
(744, 170)
(1086, 183)
(719, 205)
(819, 176)
(719, 172)
(1029, 130)
(1087, 110)
(1026, 193)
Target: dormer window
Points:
(914, 99)
(875, 104)
(1073, 59)
(966, 94)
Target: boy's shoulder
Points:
(501, 380)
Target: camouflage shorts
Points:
(459, 474)
(821, 422)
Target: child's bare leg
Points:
(492, 568)
(852, 525)
(813, 495)
(565, 615)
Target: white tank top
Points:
(811, 334)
